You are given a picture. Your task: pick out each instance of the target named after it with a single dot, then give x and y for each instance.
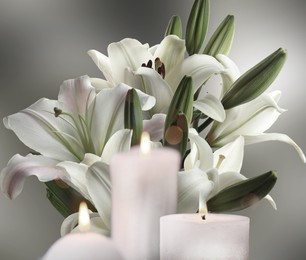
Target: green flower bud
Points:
(179, 116)
(182, 101)
(255, 81)
(242, 194)
(222, 39)
(197, 26)
(133, 115)
(174, 27)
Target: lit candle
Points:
(84, 245)
(204, 236)
(144, 188)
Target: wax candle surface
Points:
(81, 246)
(218, 237)
(144, 188)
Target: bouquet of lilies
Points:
(162, 90)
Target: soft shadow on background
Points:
(44, 42)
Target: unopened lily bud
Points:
(174, 27)
(242, 194)
(255, 81)
(222, 39)
(182, 100)
(179, 116)
(133, 115)
(197, 26)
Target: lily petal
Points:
(211, 106)
(190, 184)
(77, 94)
(119, 142)
(275, 137)
(103, 64)
(154, 85)
(100, 84)
(171, 51)
(229, 178)
(153, 49)
(103, 127)
(233, 156)
(230, 74)
(271, 201)
(199, 67)
(69, 223)
(38, 128)
(251, 118)
(155, 127)
(200, 151)
(18, 168)
(128, 53)
(75, 173)
(99, 187)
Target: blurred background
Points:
(44, 42)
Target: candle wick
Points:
(203, 217)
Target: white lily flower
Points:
(62, 131)
(228, 160)
(92, 179)
(156, 71)
(251, 119)
(209, 172)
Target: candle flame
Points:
(84, 221)
(145, 145)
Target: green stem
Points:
(205, 124)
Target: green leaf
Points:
(242, 194)
(174, 27)
(255, 81)
(64, 198)
(197, 26)
(222, 39)
(133, 115)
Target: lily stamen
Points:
(81, 127)
(220, 161)
(160, 67)
(57, 112)
(148, 65)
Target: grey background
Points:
(43, 42)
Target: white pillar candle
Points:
(83, 245)
(144, 188)
(217, 237)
